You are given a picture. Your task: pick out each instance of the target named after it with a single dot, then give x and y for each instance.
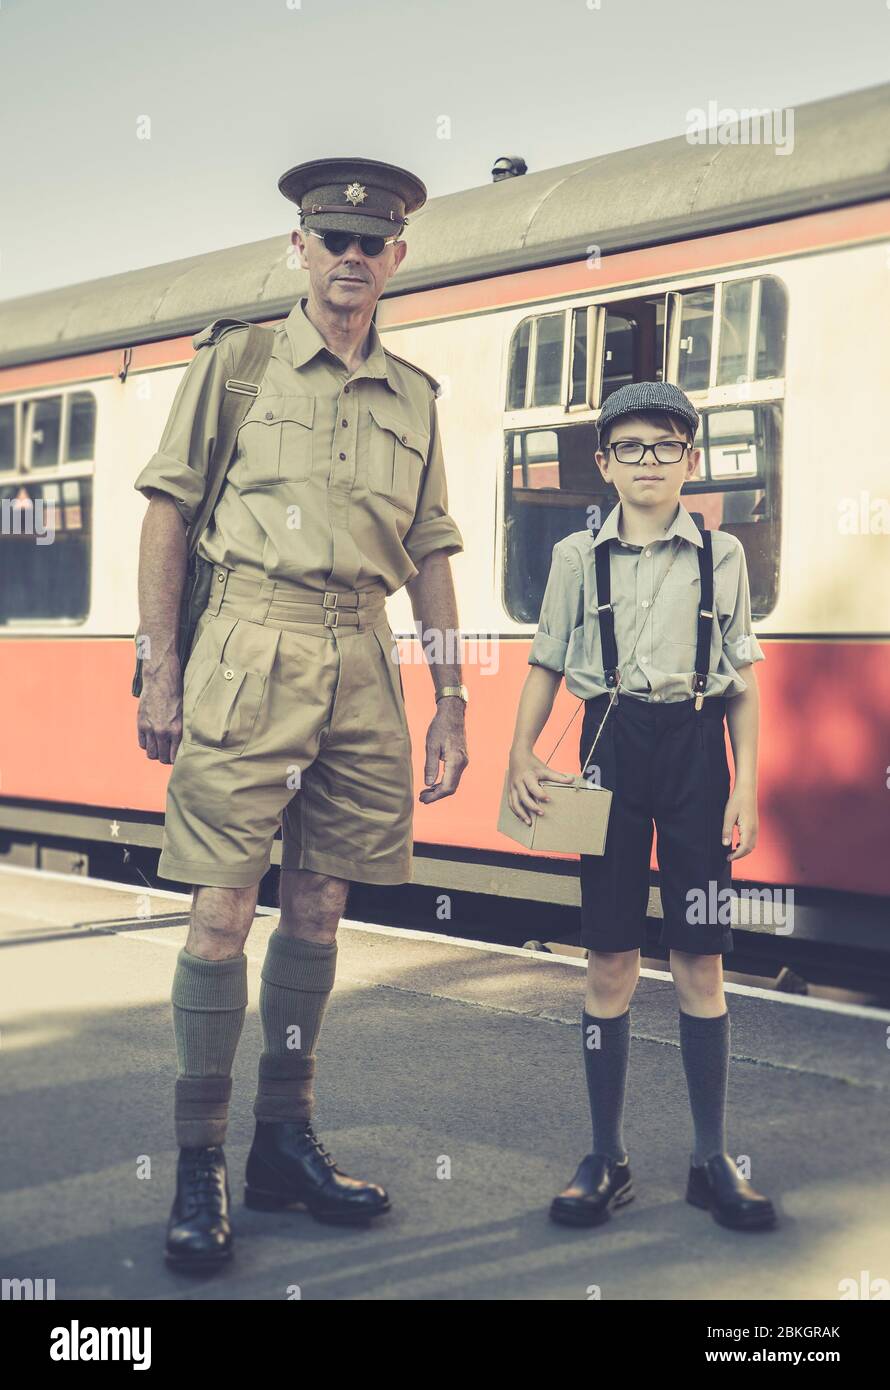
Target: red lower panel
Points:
(68, 734)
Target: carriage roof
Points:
(643, 196)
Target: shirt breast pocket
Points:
(675, 618)
(275, 442)
(397, 456)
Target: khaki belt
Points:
(275, 600)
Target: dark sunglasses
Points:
(337, 242)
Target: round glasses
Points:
(665, 451)
(337, 242)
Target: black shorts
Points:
(664, 763)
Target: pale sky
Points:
(238, 92)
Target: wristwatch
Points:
(460, 690)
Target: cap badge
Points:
(356, 193)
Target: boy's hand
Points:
(525, 790)
(741, 810)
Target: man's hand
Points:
(741, 810)
(446, 741)
(159, 718)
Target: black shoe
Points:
(198, 1232)
(288, 1166)
(731, 1200)
(600, 1183)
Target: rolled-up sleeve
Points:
(432, 527)
(739, 643)
(561, 612)
(179, 468)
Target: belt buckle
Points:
(331, 616)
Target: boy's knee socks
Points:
(704, 1046)
(606, 1044)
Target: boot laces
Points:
(202, 1179)
(317, 1144)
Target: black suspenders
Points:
(602, 560)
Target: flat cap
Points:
(647, 395)
(353, 195)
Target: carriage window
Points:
(579, 358)
(536, 356)
(81, 426)
(7, 437)
(45, 550)
(751, 307)
(735, 320)
(770, 359)
(43, 431)
(621, 350)
(548, 360)
(696, 330)
(519, 366)
(634, 343)
(553, 488)
(45, 513)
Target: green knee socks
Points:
(297, 979)
(209, 1003)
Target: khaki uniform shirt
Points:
(568, 637)
(338, 478)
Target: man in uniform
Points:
(291, 710)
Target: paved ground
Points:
(430, 1052)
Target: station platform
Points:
(431, 1050)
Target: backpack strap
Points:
(251, 357)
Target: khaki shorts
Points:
(291, 717)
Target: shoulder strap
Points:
(602, 557)
(251, 358)
(414, 368)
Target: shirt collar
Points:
(682, 525)
(306, 342)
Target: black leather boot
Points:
(288, 1166)
(599, 1184)
(731, 1200)
(199, 1233)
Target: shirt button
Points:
(343, 457)
(270, 415)
(346, 390)
(344, 423)
(645, 603)
(229, 675)
(404, 439)
(648, 553)
(656, 697)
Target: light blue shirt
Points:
(663, 665)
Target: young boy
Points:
(680, 661)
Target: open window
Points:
(724, 344)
